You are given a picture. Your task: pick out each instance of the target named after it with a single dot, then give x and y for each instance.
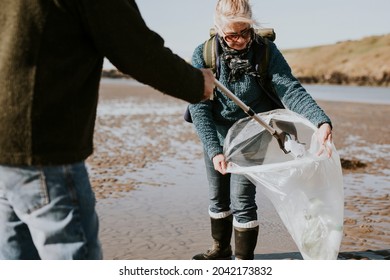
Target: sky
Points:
(184, 24)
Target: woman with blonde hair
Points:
(232, 202)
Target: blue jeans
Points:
(231, 193)
(47, 213)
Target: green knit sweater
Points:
(51, 57)
(212, 120)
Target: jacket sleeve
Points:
(293, 95)
(202, 116)
(121, 35)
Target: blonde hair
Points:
(228, 11)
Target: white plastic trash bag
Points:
(306, 191)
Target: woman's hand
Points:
(208, 77)
(325, 139)
(220, 164)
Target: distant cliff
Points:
(360, 62)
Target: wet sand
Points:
(148, 175)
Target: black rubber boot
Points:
(245, 242)
(221, 231)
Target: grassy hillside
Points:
(360, 62)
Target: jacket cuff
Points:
(212, 153)
(321, 123)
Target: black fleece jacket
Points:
(51, 57)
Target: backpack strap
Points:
(263, 57)
(209, 57)
(209, 50)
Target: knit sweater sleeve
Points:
(202, 117)
(290, 91)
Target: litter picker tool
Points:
(285, 141)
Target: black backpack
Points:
(211, 51)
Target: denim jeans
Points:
(231, 193)
(47, 213)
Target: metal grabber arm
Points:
(280, 137)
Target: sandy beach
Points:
(148, 175)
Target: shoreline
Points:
(335, 78)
